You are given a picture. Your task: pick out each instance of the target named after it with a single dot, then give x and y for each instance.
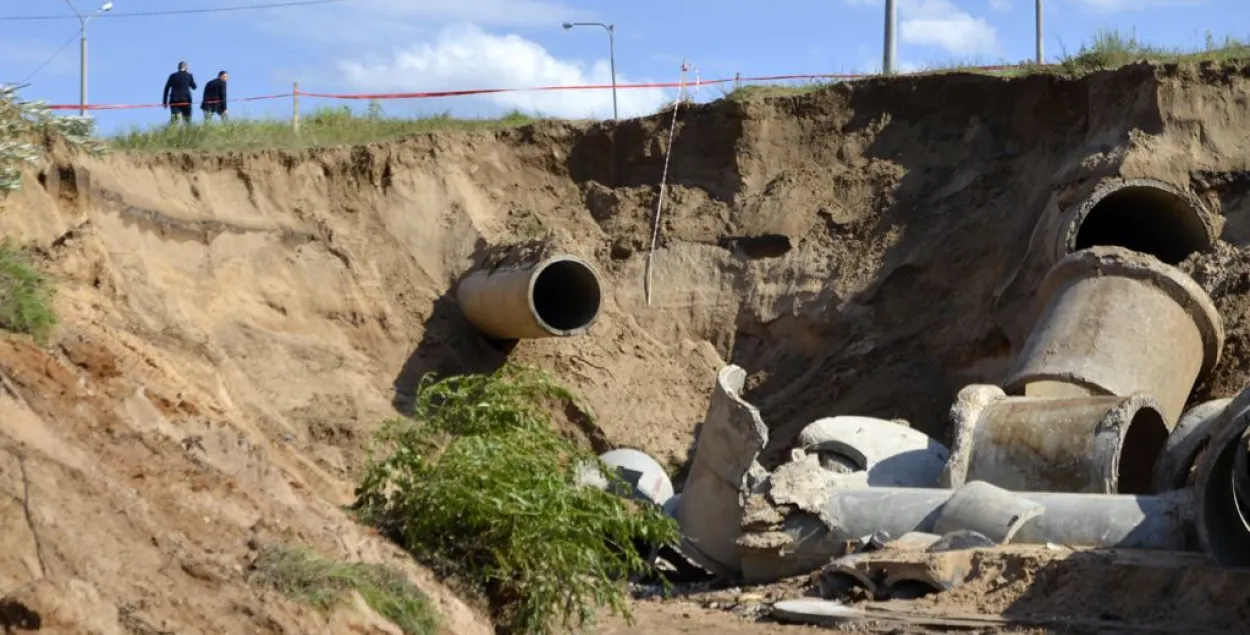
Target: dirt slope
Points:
(236, 324)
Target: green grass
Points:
(306, 577)
(25, 293)
(480, 484)
(323, 127)
(1108, 49)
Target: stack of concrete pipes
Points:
(1083, 443)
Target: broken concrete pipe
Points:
(724, 468)
(1094, 445)
(1144, 215)
(557, 297)
(644, 477)
(1115, 322)
(805, 519)
(885, 453)
(1222, 485)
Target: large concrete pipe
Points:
(557, 297)
(1116, 322)
(1144, 215)
(1222, 486)
(1095, 445)
(818, 520)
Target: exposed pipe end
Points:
(1123, 262)
(1143, 215)
(1140, 434)
(558, 297)
(565, 295)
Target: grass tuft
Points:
(25, 293)
(326, 126)
(306, 577)
(479, 483)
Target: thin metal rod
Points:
(891, 19)
(612, 62)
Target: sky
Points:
(388, 46)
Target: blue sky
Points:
(356, 46)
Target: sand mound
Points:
(236, 324)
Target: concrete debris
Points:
(1081, 446)
(644, 476)
(884, 452)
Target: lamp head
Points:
(106, 7)
(568, 25)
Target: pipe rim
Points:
(533, 281)
(1114, 428)
(1070, 227)
(1104, 261)
(1214, 498)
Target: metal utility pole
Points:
(891, 19)
(1041, 59)
(611, 29)
(82, 52)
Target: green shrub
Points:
(306, 577)
(22, 123)
(25, 295)
(480, 481)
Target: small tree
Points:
(22, 123)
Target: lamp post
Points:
(82, 52)
(1037, 18)
(611, 29)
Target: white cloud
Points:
(1002, 6)
(462, 57)
(941, 24)
(1116, 6)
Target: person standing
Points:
(177, 94)
(214, 102)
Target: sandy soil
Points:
(235, 325)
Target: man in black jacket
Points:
(215, 97)
(177, 94)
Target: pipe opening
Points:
(566, 295)
(1144, 217)
(1143, 443)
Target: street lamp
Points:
(82, 51)
(611, 29)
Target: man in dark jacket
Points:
(177, 94)
(215, 97)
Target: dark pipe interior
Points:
(566, 295)
(1148, 219)
(1144, 442)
